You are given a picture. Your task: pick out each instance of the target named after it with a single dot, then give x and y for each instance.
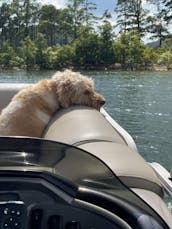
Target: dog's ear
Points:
(64, 90)
(87, 92)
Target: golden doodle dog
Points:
(30, 109)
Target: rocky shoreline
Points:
(114, 67)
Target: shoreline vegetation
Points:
(92, 68)
(115, 67)
(34, 36)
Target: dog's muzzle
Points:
(102, 102)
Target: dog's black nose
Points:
(102, 102)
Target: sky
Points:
(102, 5)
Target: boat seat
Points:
(78, 125)
(156, 203)
(87, 128)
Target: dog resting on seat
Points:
(30, 109)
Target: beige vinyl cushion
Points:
(156, 203)
(127, 164)
(88, 129)
(81, 124)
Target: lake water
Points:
(141, 102)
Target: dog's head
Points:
(75, 89)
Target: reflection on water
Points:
(140, 101)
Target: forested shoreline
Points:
(35, 36)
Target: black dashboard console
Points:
(43, 204)
(13, 214)
(51, 185)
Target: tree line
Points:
(41, 36)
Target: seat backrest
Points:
(78, 124)
(7, 91)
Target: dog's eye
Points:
(86, 92)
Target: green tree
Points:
(65, 32)
(4, 22)
(89, 17)
(50, 57)
(48, 23)
(157, 24)
(131, 15)
(150, 57)
(106, 37)
(167, 44)
(59, 57)
(106, 29)
(87, 51)
(81, 12)
(129, 50)
(122, 15)
(30, 17)
(64, 57)
(8, 57)
(41, 45)
(28, 52)
(15, 27)
(165, 53)
(121, 49)
(168, 10)
(166, 59)
(76, 13)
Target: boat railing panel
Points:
(164, 176)
(121, 131)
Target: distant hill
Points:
(153, 44)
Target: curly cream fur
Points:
(30, 110)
